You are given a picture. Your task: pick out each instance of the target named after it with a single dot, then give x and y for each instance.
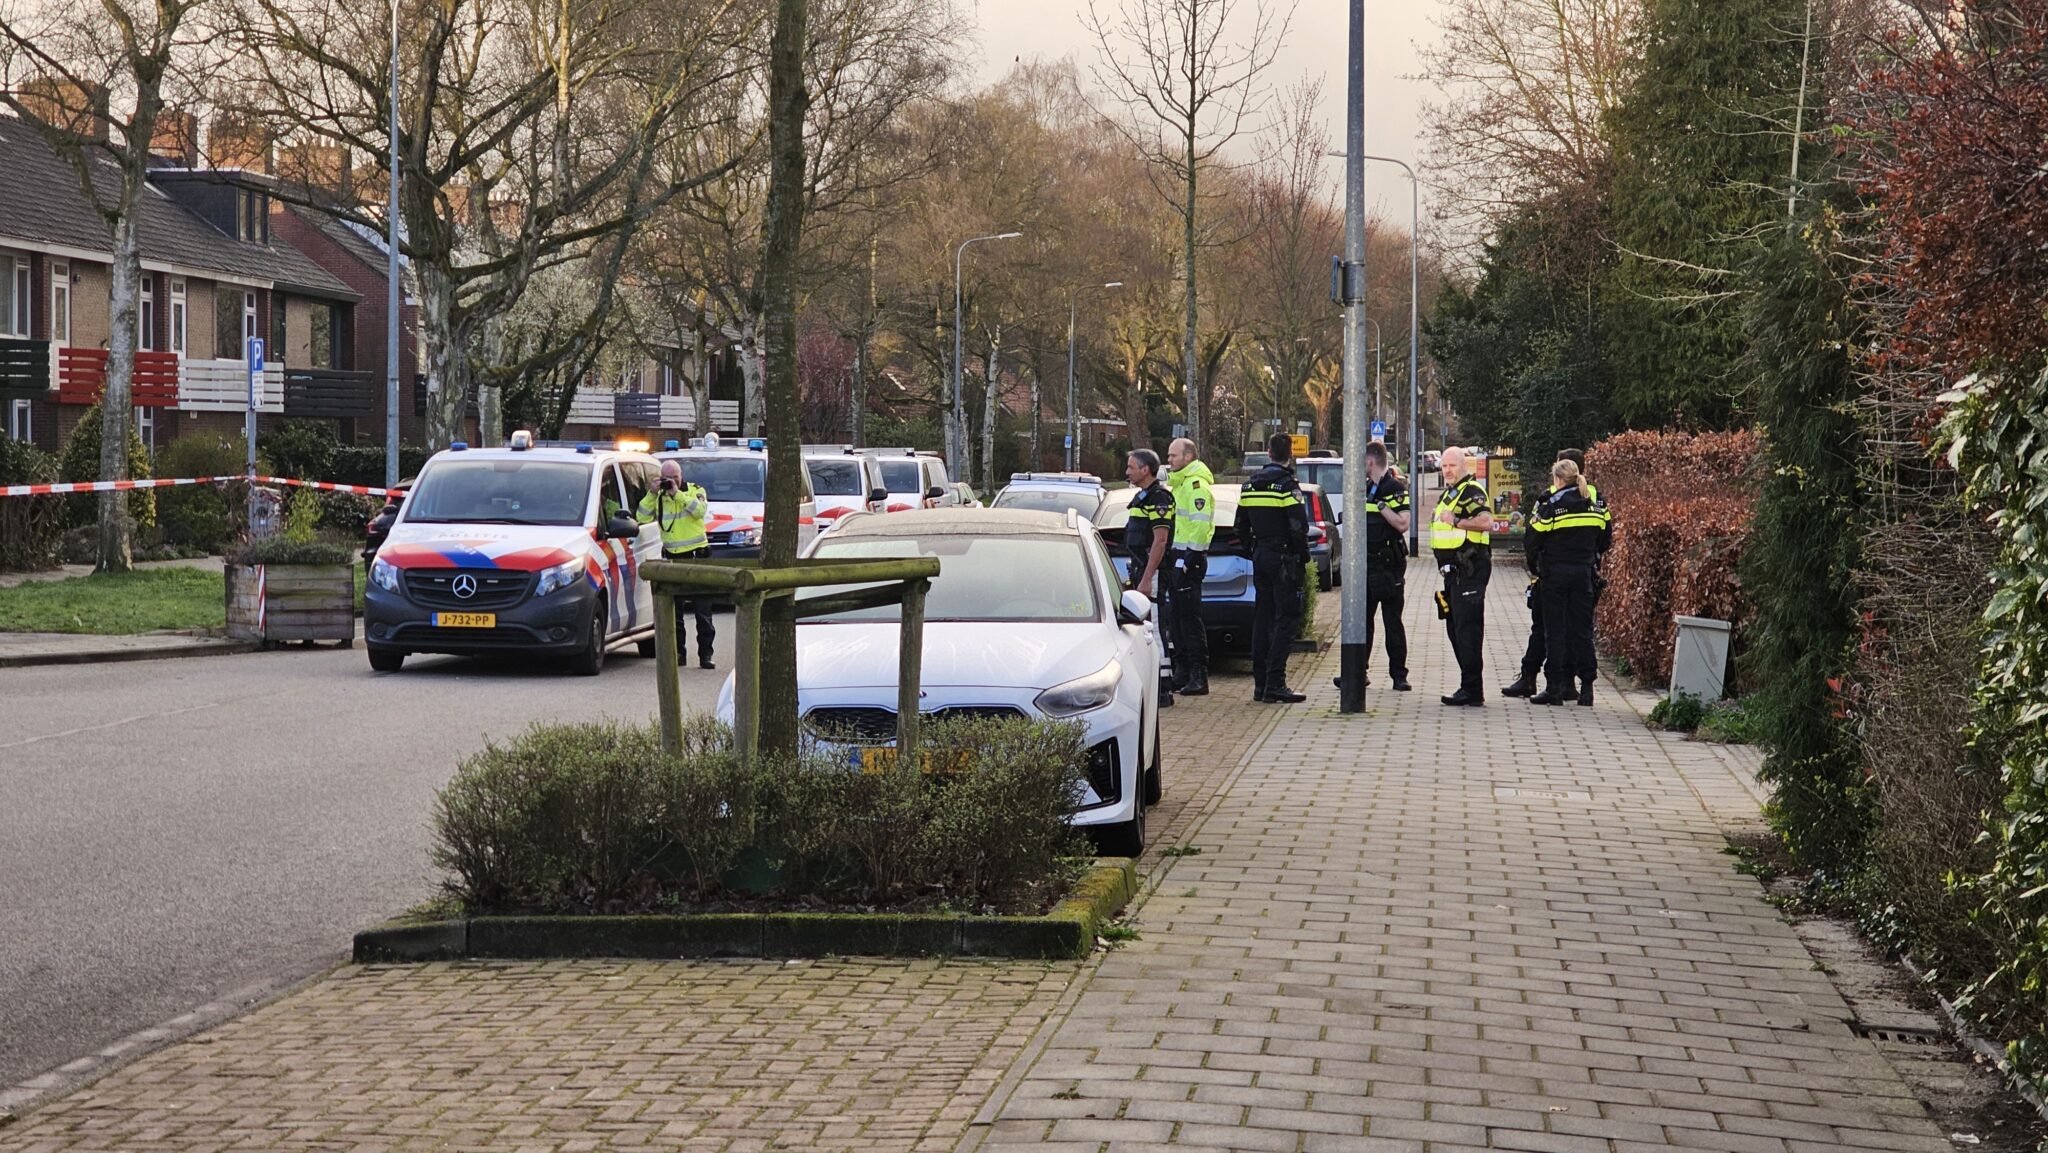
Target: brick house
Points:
(215, 274)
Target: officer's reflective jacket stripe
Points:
(1194, 506)
(681, 516)
(1569, 529)
(1466, 499)
(1151, 510)
(1270, 512)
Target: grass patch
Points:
(1181, 851)
(117, 604)
(1728, 723)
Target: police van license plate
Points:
(466, 620)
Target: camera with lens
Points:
(668, 484)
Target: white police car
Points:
(734, 477)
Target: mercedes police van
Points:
(528, 549)
(734, 477)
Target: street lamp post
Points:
(1414, 348)
(392, 296)
(1376, 341)
(956, 451)
(1073, 433)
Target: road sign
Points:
(1300, 446)
(1070, 442)
(1379, 431)
(255, 354)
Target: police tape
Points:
(125, 485)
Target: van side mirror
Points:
(935, 493)
(878, 496)
(622, 527)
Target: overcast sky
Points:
(1316, 43)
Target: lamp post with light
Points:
(955, 451)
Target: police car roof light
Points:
(520, 441)
(671, 445)
(757, 444)
(584, 449)
(458, 446)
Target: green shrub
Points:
(598, 817)
(81, 462)
(1730, 722)
(1678, 713)
(285, 549)
(201, 516)
(301, 449)
(1309, 591)
(364, 464)
(31, 527)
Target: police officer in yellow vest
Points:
(1194, 526)
(1461, 535)
(679, 508)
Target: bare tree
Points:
(1526, 86)
(62, 65)
(1187, 90)
(1296, 227)
(782, 242)
(531, 134)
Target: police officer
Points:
(679, 509)
(1194, 525)
(1386, 514)
(1148, 536)
(1461, 536)
(1274, 524)
(1569, 530)
(1532, 657)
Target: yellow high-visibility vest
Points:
(1465, 499)
(681, 515)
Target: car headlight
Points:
(384, 574)
(559, 577)
(1082, 693)
(745, 537)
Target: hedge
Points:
(1682, 504)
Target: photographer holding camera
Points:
(679, 509)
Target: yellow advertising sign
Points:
(1300, 445)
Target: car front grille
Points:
(495, 588)
(872, 725)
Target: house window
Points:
(145, 427)
(60, 302)
(145, 316)
(15, 295)
(177, 333)
(248, 326)
(21, 421)
(227, 322)
(276, 351)
(322, 320)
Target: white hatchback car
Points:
(1026, 618)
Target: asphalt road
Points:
(172, 831)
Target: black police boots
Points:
(1197, 684)
(1524, 686)
(1551, 695)
(1281, 696)
(1586, 693)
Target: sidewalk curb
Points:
(115, 656)
(1068, 931)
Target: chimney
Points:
(79, 109)
(176, 138)
(316, 165)
(238, 142)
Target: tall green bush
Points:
(201, 516)
(1800, 562)
(31, 527)
(302, 449)
(1998, 437)
(81, 462)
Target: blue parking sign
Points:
(255, 354)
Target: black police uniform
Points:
(1532, 656)
(1568, 530)
(1272, 520)
(1466, 569)
(1386, 571)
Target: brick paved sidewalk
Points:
(1435, 929)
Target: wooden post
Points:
(668, 680)
(746, 686)
(909, 666)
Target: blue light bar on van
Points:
(584, 449)
(671, 445)
(757, 444)
(458, 446)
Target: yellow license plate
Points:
(879, 760)
(466, 620)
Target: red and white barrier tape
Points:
(118, 485)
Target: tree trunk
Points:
(1136, 424)
(116, 405)
(490, 416)
(991, 404)
(753, 369)
(447, 372)
(787, 103)
(1031, 457)
(700, 385)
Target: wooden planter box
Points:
(299, 602)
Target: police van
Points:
(528, 548)
(843, 481)
(734, 477)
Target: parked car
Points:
(1025, 619)
(843, 481)
(1326, 473)
(1053, 492)
(1254, 461)
(1227, 595)
(734, 477)
(517, 549)
(965, 493)
(915, 478)
(1325, 538)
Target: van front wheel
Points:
(590, 661)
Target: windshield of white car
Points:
(835, 478)
(1330, 476)
(981, 578)
(901, 476)
(740, 479)
(483, 491)
(1082, 501)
